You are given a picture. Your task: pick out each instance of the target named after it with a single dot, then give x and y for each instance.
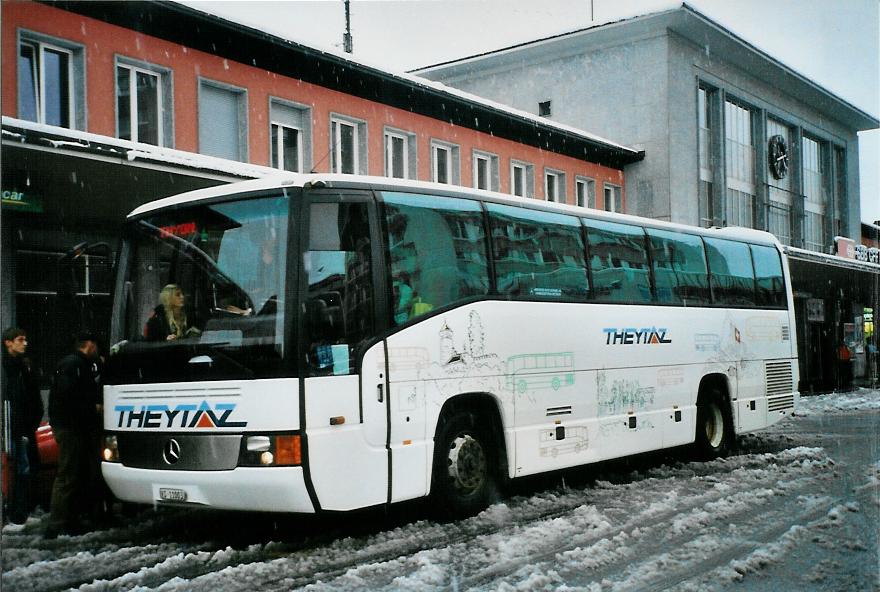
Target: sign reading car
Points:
(181, 416)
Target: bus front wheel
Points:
(463, 475)
(714, 435)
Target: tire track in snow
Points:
(546, 534)
(74, 570)
(640, 534)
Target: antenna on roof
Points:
(346, 37)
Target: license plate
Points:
(172, 495)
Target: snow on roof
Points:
(831, 259)
(59, 137)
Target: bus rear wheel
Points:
(463, 477)
(714, 435)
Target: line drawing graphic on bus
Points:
(576, 440)
(609, 429)
(667, 377)
(763, 328)
(408, 359)
(622, 396)
(707, 342)
(466, 366)
(534, 371)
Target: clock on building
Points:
(777, 156)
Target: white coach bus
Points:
(325, 343)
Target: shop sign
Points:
(815, 310)
(846, 247)
(19, 201)
(869, 255)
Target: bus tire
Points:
(463, 478)
(714, 436)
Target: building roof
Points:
(835, 260)
(198, 30)
(689, 24)
(50, 137)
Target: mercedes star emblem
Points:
(171, 452)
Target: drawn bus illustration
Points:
(408, 359)
(576, 440)
(531, 371)
(704, 342)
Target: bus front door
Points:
(345, 402)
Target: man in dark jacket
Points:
(73, 412)
(22, 413)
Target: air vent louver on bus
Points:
(778, 378)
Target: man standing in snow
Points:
(73, 413)
(22, 412)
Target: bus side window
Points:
(538, 254)
(437, 249)
(618, 262)
(730, 266)
(338, 306)
(768, 277)
(679, 268)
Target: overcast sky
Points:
(836, 43)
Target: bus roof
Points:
(286, 180)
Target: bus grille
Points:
(780, 403)
(778, 378)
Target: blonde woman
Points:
(168, 321)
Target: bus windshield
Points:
(203, 297)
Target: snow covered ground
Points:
(796, 507)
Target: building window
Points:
(585, 192)
(554, 185)
(544, 109)
(143, 103)
(286, 147)
(345, 147)
(779, 184)
(839, 197)
(522, 179)
(740, 166)
(347, 152)
(222, 120)
(707, 168)
(814, 179)
(612, 198)
(445, 163)
(290, 126)
(51, 81)
(400, 157)
(486, 171)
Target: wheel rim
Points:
(714, 426)
(467, 463)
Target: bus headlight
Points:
(278, 450)
(111, 449)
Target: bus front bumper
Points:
(257, 489)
